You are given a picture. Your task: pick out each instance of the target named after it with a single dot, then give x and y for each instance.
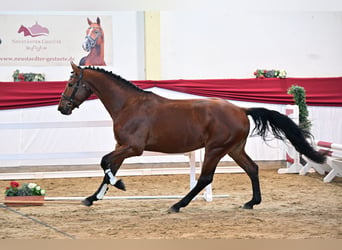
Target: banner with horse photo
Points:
(55, 40)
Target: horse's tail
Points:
(283, 127)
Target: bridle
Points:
(93, 41)
(71, 98)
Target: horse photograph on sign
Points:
(94, 44)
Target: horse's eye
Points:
(70, 84)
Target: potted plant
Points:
(29, 194)
(27, 77)
(299, 98)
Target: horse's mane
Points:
(123, 81)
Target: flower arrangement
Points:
(27, 189)
(263, 73)
(27, 77)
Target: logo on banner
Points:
(34, 31)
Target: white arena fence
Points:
(333, 165)
(51, 125)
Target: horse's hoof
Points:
(173, 210)
(87, 202)
(247, 206)
(120, 185)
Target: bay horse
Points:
(146, 121)
(94, 44)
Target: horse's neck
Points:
(97, 54)
(98, 50)
(113, 96)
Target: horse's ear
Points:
(89, 21)
(75, 68)
(98, 20)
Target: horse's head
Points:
(75, 93)
(94, 35)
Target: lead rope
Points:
(37, 221)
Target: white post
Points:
(292, 156)
(208, 193)
(192, 162)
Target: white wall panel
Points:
(233, 44)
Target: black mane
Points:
(123, 81)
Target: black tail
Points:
(283, 127)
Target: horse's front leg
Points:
(110, 164)
(99, 194)
(109, 178)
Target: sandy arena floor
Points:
(293, 207)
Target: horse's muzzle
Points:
(65, 109)
(86, 45)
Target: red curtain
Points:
(319, 91)
(15, 95)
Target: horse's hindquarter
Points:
(185, 125)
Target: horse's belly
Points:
(172, 149)
(175, 141)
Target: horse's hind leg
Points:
(206, 177)
(251, 168)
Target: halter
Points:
(71, 98)
(91, 40)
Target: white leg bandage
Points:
(102, 192)
(112, 178)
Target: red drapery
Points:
(319, 91)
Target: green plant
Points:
(27, 77)
(29, 189)
(299, 97)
